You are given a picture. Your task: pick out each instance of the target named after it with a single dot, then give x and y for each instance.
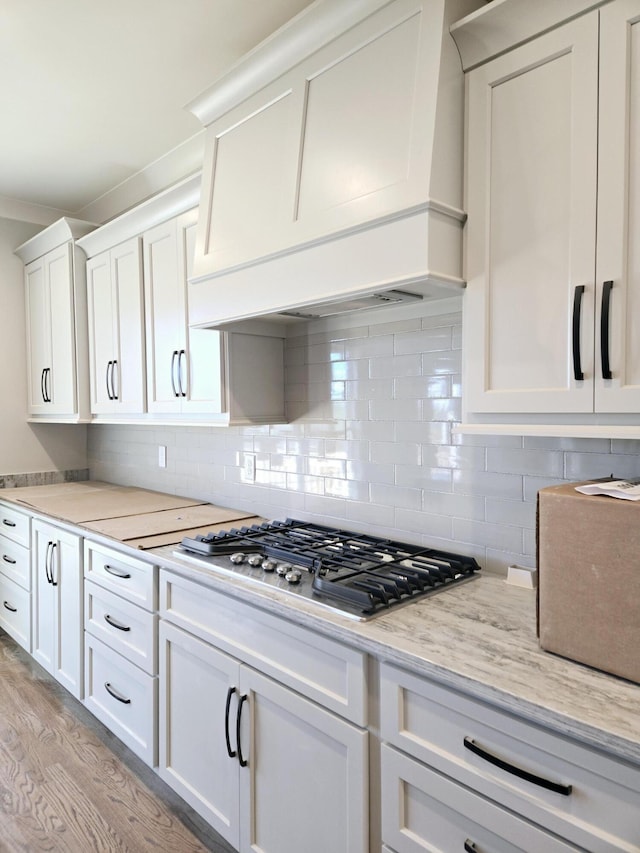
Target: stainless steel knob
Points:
(283, 568)
(269, 565)
(255, 560)
(238, 557)
(293, 576)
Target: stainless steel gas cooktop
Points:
(357, 575)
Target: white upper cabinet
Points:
(552, 194)
(58, 389)
(116, 330)
(333, 163)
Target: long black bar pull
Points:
(556, 787)
(607, 287)
(577, 311)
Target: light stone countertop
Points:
(478, 637)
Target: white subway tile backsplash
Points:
(371, 444)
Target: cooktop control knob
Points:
(255, 560)
(293, 576)
(238, 557)
(269, 565)
(283, 568)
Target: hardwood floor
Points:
(67, 785)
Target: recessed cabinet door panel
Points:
(38, 334)
(101, 331)
(300, 755)
(254, 169)
(619, 210)
(165, 317)
(532, 148)
(128, 374)
(63, 377)
(357, 143)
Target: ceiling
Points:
(92, 92)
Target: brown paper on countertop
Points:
(94, 505)
(175, 537)
(146, 524)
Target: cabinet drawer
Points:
(15, 562)
(423, 810)
(133, 579)
(123, 697)
(600, 809)
(124, 627)
(14, 525)
(326, 671)
(15, 612)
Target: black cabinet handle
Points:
(230, 752)
(115, 694)
(8, 523)
(111, 621)
(119, 573)
(181, 354)
(115, 374)
(470, 847)
(106, 380)
(241, 759)
(558, 788)
(54, 546)
(607, 287)
(42, 392)
(9, 607)
(174, 356)
(47, 563)
(577, 310)
(8, 559)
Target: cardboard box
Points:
(589, 579)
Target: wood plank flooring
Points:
(67, 785)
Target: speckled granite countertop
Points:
(480, 638)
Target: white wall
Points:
(25, 447)
(370, 446)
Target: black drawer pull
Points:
(111, 621)
(565, 790)
(8, 559)
(119, 573)
(470, 847)
(8, 523)
(9, 607)
(230, 752)
(115, 694)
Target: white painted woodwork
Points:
(15, 525)
(15, 611)
(292, 746)
(58, 377)
(422, 810)
(124, 627)
(123, 697)
(132, 579)
(534, 232)
(15, 562)
(429, 722)
(116, 330)
(364, 131)
(279, 649)
(57, 622)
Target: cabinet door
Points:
(195, 680)
(128, 383)
(201, 366)
(306, 784)
(63, 377)
(165, 318)
(38, 335)
(619, 209)
(101, 332)
(57, 604)
(531, 195)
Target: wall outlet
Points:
(162, 456)
(250, 467)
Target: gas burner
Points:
(353, 573)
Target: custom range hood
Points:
(332, 177)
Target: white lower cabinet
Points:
(258, 760)
(57, 603)
(511, 785)
(15, 576)
(121, 660)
